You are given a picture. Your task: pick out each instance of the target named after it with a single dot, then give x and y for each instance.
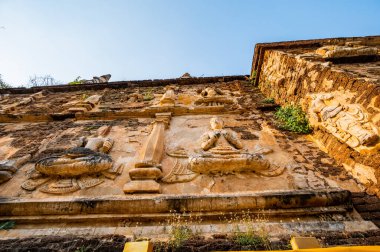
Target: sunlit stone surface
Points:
(123, 158)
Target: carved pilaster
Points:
(148, 169)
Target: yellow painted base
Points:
(304, 243)
(143, 246)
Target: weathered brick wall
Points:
(343, 154)
(368, 206)
(289, 79)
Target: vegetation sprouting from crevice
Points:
(292, 118)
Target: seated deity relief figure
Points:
(348, 123)
(221, 153)
(79, 167)
(212, 97)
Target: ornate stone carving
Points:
(77, 168)
(221, 152)
(212, 97)
(168, 99)
(9, 167)
(148, 169)
(181, 171)
(349, 123)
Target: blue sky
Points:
(162, 38)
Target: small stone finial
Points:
(186, 76)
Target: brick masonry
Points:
(283, 73)
(368, 206)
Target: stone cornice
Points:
(260, 48)
(124, 84)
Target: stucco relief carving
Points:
(169, 97)
(10, 166)
(347, 122)
(213, 97)
(221, 152)
(180, 172)
(79, 167)
(148, 169)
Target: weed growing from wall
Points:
(293, 118)
(253, 236)
(77, 81)
(181, 227)
(148, 95)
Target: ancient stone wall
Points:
(368, 206)
(347, 87)
(131, 158)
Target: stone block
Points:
(142, 186)
(145, 173)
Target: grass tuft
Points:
(179, 235)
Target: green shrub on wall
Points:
(293, 118)
(77, 81)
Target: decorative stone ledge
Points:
(260, 48)
(123, 84)
(165, 204)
